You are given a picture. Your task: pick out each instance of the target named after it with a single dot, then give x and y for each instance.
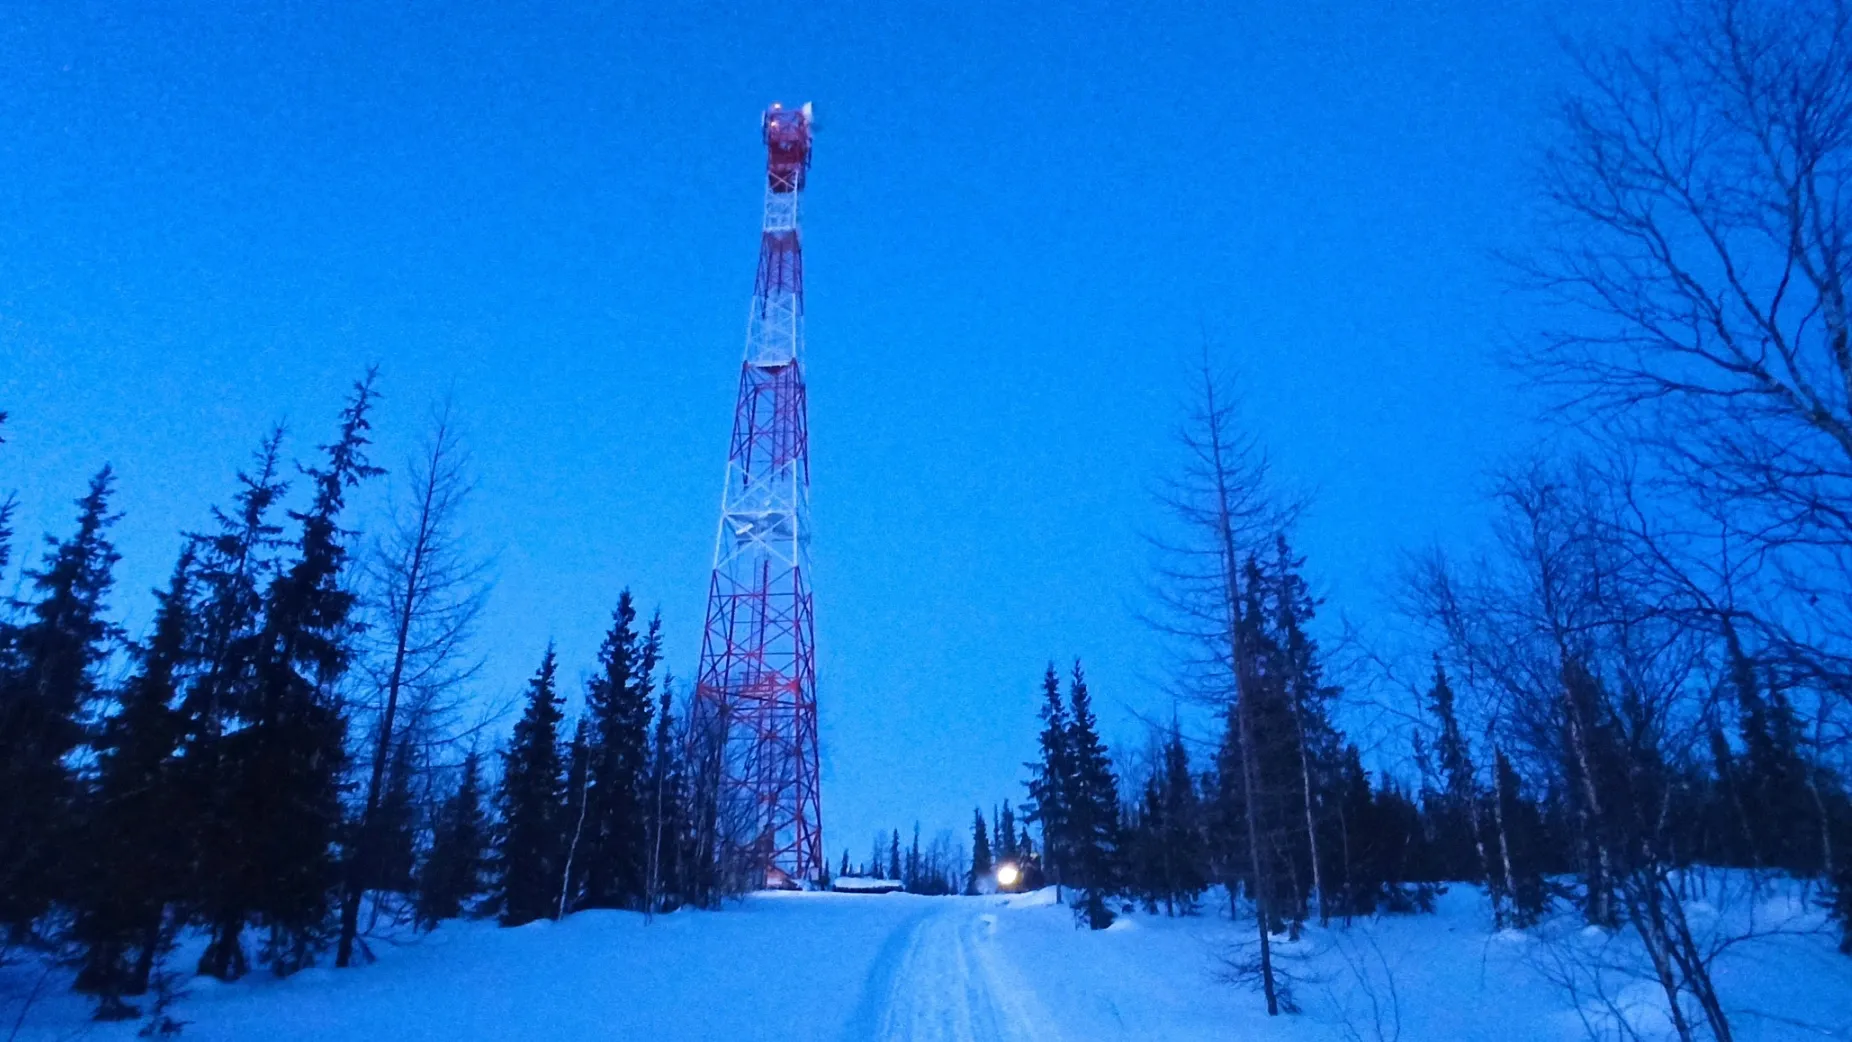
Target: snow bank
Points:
(1008, 966)
(777, 966)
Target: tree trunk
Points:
(359, 861)
(1504, 838)
(578, 829)
(1311, 828)
(1263, 906)
(1599, 909)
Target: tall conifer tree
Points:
(980, 850)
(452, 874)
(1092, 807)
(235, 565)
(1048, 803)
(136, 856)
(670, 828)
(288, 761)
(7, 506)
(45, 695)
(620, 700)
(528, 852)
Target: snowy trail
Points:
(950, 984)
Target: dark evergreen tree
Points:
(287, 763)
(236, 564)
(1598, 780)
(1260, 812)
(1400, 862)
(893, 858)
(1006, 833)
(980, 851)
(1092, 808)
(7, 506)
(1048, 784)
(1173, 858)
(1313, 741)
(134, 859)
(1357, 884)
(1774, 778)
(843, 869)
(1453, 810)
(50, 683)
(574, 816)
(620, 700)
(396, 827)
(1729, 835)
(452, 875)
(528, 852)
(670, 829)
(1522, 841)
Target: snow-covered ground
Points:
(841, 966)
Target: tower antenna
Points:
(756, 687)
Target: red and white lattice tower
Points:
(758, 665)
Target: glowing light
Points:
(1008, 874)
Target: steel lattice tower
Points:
(758, 665)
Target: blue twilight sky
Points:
(1021, 219)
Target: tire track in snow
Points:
(951, 986)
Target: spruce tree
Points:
(1312, 739)
(668, 822)
(528, 851)
(1173, 823)
(1359, 881)
(1775, 778)
(1255, 815)
(1092, 808)
(980, 851)
(1460, 853)
(135, 857)
(235, 565)
(893, 858)
(1402, 861)
(288, 760)
(620, 700)
(7, 506)
(575, 843)
(452, 874)
(1730, 836)
(1048, 803)
(1006, 833)
(46, 693)
(1522, 840)
(388, 867)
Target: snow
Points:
(975, 969)
(865, 885)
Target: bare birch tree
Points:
(1556, 635)
(1699, 203)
